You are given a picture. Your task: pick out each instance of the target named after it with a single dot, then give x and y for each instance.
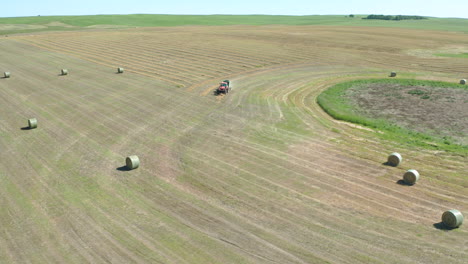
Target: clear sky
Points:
(437, 8)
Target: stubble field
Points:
(261, 175)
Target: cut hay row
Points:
(169, 72)
(234, 53)
(92, 58)
(189, 59)
(142, 57)
(145, 57)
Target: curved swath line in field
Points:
(332, 172)
(329, 218)
(292, 220)
(441, 190)
(103, 62)
(251, 73)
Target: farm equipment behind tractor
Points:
(223, 87)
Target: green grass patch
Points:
(334, 102)
(146, 20)
(458, 55)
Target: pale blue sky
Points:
(439, 8)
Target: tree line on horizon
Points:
(398, 17)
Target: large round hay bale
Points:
(394, 159)
(132, 162)
(120, 70)
(32, 123)
(64, 72)
(411, 177)
(452, 218)
(7, 74)
(462, 81)
(393, 74)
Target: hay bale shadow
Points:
(123, 168)
(388, 164)
(442, 226)
(402, 182)
(26, 128)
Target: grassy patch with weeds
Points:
(458, 55)
(335, 103)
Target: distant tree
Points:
(351, 15)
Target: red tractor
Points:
(223, 87)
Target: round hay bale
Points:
(64, 72)
(462, 81)
(32, 123)
(393, 74)
(7, 74)
(120, 70)
(452, 218)
(394, 159)
(411, 177)
(132, 162)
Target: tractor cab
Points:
(223, 87)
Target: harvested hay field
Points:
(261, 175)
